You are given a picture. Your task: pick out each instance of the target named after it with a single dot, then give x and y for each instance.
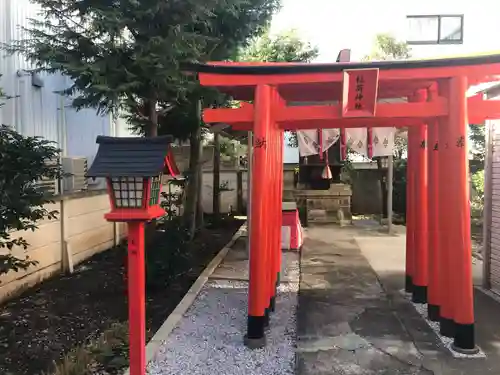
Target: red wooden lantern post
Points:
(133, 169)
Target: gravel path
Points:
(209, 338)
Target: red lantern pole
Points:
(137, 298)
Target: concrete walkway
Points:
(353, 319)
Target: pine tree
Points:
(128, 53)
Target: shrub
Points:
(478, 184)
(164, 261)
(23, 163)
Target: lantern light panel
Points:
(128, 191)
(155, 190)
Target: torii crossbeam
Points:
(438, 251)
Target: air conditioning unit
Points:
(49, 186)
(98, 183)
(75, 174)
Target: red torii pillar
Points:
(459, 216)
(434, 288)
(276, 216)
(279, 187)
(257, 289)
(420, 207)
(445, 229)
(265, 232)
(410, 209)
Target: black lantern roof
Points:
(130, 156)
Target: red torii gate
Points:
(438, 248)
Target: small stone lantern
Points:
(133, 169)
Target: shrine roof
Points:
(130, 156)
(323, 81)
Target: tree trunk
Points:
(152, 128)
(192, 186)
(193, 196)
(383, 187)
(199, 186)
(239, 193)
(216, 178)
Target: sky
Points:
(333, 25)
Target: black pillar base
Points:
(272, 303)
(419, 294)
(433, 313)
(464, 339)
(408, 284)
(447, 327)
(255, 337)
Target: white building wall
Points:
(32, 110)
(40, 110)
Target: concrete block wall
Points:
(79, 232)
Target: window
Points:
(435, 29)
(451, 29)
